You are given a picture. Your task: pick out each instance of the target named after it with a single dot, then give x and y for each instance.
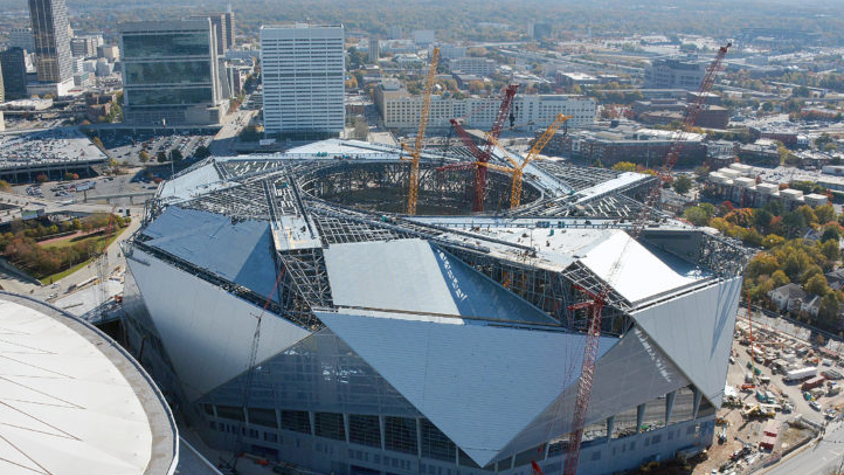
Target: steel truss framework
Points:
(316, 191)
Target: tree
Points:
(143, 156)
(767, 106)
(682, 184)
(762, 218)
(624, 167)
(161, 157)
(831, 233)
(176, 155)
(752, 238)
(98, 143)
(5, 185)
(779, 278)
(830, 250)
(825, 213)
(828, 310)
(697, 216)
(817, 285)
(41, 178)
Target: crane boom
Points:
(596, 303)
(416, 153)
(679, 142)
(518, 168)
(484, 155)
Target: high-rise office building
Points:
(52, 40)
(85, 46)
(2, 86)
(22, 38)
(223, 24)
(13, 65)
(230, 35)
(303, 71)
(218, 24)
(170, 73)
(396, 33)
(374, 49)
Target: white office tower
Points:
(303, 77)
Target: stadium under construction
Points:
(295, 313)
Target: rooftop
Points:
(73, 401)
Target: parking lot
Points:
(78, 191)
(125, 147)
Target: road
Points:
(226, 138)
(816, 459)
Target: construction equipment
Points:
(250, 369)
(483, 156)
(596, 304)
(415, 154)
(518, 169)
(679, 142)
(101, 264)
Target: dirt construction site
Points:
(781, 392)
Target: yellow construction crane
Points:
(518, 169)
(413, 194)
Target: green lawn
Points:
(73, 241)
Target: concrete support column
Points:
(419, 438)
(669, 405)
(640, 417)
(698, 397)
(346, 426)
(610, 427)
(382, 424)
(312, 418)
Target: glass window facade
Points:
(330, 425)
(170, 72)
(435, 444)
(162, 45)
(230, 412)
(169, 96)
(264, 417)
(297, 421)
(400, 434)
(365, 430)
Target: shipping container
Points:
(801, 374)
(813, 383)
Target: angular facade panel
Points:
(480, 385)
(700, 345)
(410, 275)
(633, 371)
(207, 333)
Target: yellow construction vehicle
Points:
(413, 193)
(518, 168)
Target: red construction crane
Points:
(596, 303)
(484, 155)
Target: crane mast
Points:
(416, 153)
(483, 156)
(517, 169)
(679, 142)
(597, 302)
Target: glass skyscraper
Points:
(170, 73)
(52, 40)
(13, 64)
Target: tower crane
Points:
(415, 154)
(483, 156)
(597, 300)
(517, 169)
